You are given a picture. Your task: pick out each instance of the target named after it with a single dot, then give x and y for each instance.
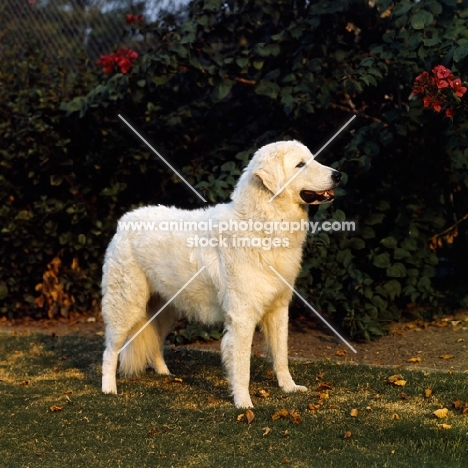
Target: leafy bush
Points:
(236, 75)
(51, 225)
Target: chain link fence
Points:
(66, 29)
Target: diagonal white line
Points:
(311, 159)
(313, 310)
(166, 162)
(161, 309)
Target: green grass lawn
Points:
(53, 414)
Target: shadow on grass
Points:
(53, 413)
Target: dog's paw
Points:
(300, 388)
(109, 387)
(243, 402)
(293, 388)
(160, 370)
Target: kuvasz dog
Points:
(207, 274)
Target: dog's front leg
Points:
(275, 329)
(235, 348)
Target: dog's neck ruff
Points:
(279, 210)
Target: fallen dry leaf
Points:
(178, 380)
(341, 352)
(282, 413)
(323, 386)
(414, 359)
(427, 393)
(465, 409)
(394, 378)
(240, 417)
(368, 408)
(354, 412)
(296, 417)
(411, 325)
(447, 356)
(153, 431)
(324, 396)
(400, 383)
(457, 404)
(266, 431)
(313, 407)
(347, 435)
(444, 426)
(441, 413)
(249, 414)
(395, 417)
(56, 408)
(263, 393)
(441, 324)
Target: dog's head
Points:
(289, 168)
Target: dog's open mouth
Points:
(317, 197)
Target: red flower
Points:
(457, 87)
(418, 90)
(427, 101)
(437, 105)
(441, 72)
(422, 77)
(124, 64)
(438, 89)
(122, 59)
(131, 19)
(442, 84)
(107, 63)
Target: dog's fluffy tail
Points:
(141, 351)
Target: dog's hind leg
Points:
(163, 324)
(117, 332)
(125, 295)
(114, 342)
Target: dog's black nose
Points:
(336, 176)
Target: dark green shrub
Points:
(236, 75)
(51, 227)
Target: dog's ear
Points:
(271, 174)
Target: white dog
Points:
(147, 266)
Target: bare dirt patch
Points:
(438, 345)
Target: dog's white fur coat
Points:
(144, 269)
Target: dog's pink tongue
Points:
(327, 193)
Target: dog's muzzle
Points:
(327, 196)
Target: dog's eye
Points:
(301, 164)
